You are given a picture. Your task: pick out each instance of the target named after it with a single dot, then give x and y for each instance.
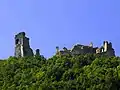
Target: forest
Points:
(80, 72)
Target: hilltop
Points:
(80, 68)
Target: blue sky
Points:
(51, 23)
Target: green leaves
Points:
(80, 72)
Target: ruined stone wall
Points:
(81, 49)
(22, 47)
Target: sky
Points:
(51, 23)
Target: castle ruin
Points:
(77, 49)
(22, 46)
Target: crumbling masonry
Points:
(22, 48)
(106, 49)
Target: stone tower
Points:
(37, 52)
(22, 47)
(91, 44)
(57, 49)
(105, 45)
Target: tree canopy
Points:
(80, 72)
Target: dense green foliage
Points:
(81, 72)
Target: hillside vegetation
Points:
(81, 72)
